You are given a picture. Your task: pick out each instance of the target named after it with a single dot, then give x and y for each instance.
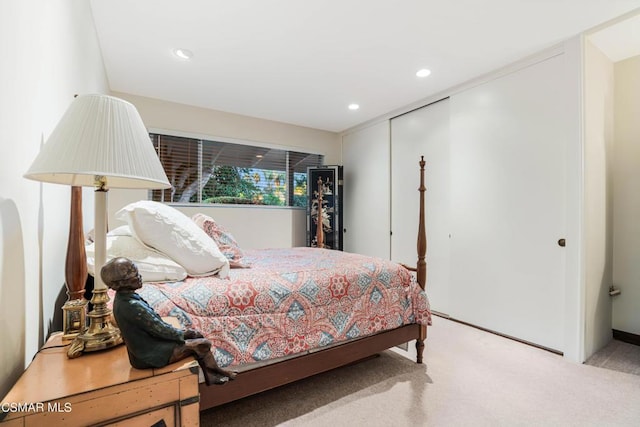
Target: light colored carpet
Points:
(619, 356)
(471, 378)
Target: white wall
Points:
(49, 53)
(598, 152)
(257, 227)
(626, 205)
(201, 122)
(366, 194)
(252, 226)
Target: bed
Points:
(277, 315)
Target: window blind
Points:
(203, 171)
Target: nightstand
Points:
(100, 388)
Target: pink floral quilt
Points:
(292, 300)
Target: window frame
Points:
(289, 177)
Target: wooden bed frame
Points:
(277, 374)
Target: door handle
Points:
(562, 243)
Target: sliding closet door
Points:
(422, 132)
(508, 203)
(365, 156)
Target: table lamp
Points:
(101, 142)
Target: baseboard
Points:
(626, 337)
(446, 316)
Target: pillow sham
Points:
(152, 265)
(171, 232)
(225, 241)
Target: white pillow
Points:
(152, 265)
(173, 233)
(123, 230)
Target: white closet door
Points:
(365, 156)
(422, 132)
(508, 198)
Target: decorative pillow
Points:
(225, 241)
(152, 265)
(174, 234)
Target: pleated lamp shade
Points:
(100, 135)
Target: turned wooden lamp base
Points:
(74, 320)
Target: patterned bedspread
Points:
(292, 300)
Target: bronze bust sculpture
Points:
(150, 341)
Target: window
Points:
(203, 171)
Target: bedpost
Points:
(319, 230)
(422, 264)
(422, 234)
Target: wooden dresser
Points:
(100, 388)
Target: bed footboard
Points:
(275, 375)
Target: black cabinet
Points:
(325, 184)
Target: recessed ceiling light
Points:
(183, 53)
(353, 106)
(423, 73)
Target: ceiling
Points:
(619, 41)
(304, 62)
